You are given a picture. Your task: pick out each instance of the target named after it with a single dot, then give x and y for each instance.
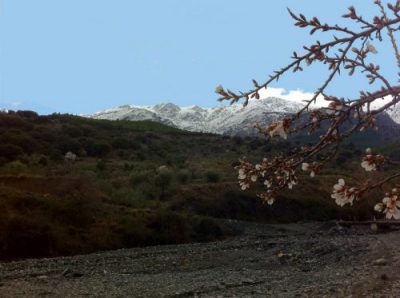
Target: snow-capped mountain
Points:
(233, 120)
(394, 113)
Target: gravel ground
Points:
(296, 260)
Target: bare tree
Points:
(352, 52)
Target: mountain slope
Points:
(238, 120)
(394, 113)
(232, 120)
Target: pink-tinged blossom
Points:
(370, 161)
(305, 166)
(368, 166)
(314, 168)
(268, 197)
(242, 174)
(268, 183)
(335, 107)
(371, 48)
(390, 205)
(244, 185)
(279, 128)
(343, 194)
(219, 89)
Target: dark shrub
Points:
(124, 143)
(25, 237)
(170, 228)
(183, 176)
(66, 144)
(98, 149)
(163, 180)
(213, 177)
(72, 131)
(138, 178)
(10, 152)
(28, 114)
(207, 229)
(101, 165)
(43, 161)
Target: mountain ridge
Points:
(232, 120)
(226, 120)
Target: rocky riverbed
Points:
(294, 260)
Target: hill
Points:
(137, 183)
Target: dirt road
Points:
(296, 260)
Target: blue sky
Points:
(80, 56)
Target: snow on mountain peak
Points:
(233, 119)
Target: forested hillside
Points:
(138, 183)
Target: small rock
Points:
(380, 262)
(42, 277)
(248, 281)
(374, 227)
(68, 273)
(221, 287)
(384, 276)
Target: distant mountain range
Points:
(228, 120)
(232, 120)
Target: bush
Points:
(137, 178)
(123, 196)
(28, 114)
(145, 191)
(124, 143)
(16, 167)
(101, 165)
(43, 161)
(163, 180)
(10, 152)
(66, 144)
(98, 149)
(207, 229)
(213, 177)
(170, 228)
(26, 237)
(183, 176)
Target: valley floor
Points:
(295, 260)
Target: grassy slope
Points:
(115, 194)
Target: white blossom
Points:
(368, 166)
(278, 129)
(219, 89)
(371, 48)
(378, 207)
(342, 194)
(244, 185)
(242, 175)
(268, 183)
(391, 207)
(305, 166)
